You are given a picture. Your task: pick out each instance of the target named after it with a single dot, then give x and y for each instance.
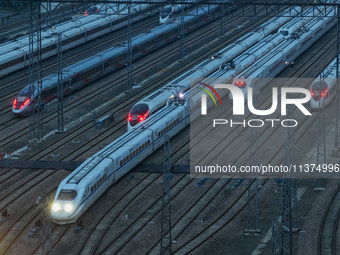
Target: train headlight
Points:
(68, 207)
(56, 207)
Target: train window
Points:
(121, 163)
(148, 142)
(98, 183)
(138, 113)
(134, 153)
(91, 189)
(67, 194)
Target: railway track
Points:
(329, 227)
(192, 244)
(10, 136)
(239, 203)
(195, 246)
(40, 157)
(13, 27)
(11, 89)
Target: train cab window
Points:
(166, 12)
(67, 195)
(284, 32)
(319, 89)
(138, 113)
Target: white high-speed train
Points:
(260, 73)
(85, 184)
(151, 104)
(94, 67)
(324, 88)
(14, 54)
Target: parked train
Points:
(261, 72)
(78, 191)
(324, 88)
(14, 54)
(83, 186)
(90, 69)
(290, 27)
(151, 104)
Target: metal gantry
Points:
(60, 85)
(287, 188)
(182, 35)
(337, 118)
(321, 142)
(276, 238)
(166, 238)
(35, 69)
(286, 212)
(222, 20)
(253, 187)
(129, 51)
(46, 227)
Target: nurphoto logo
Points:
(238, 101)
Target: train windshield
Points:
(91, 10)
(318, 89)
(25, 92)
(284, 32)
(165, 12)
(67, 195)
(138, 113)
(22, 99)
